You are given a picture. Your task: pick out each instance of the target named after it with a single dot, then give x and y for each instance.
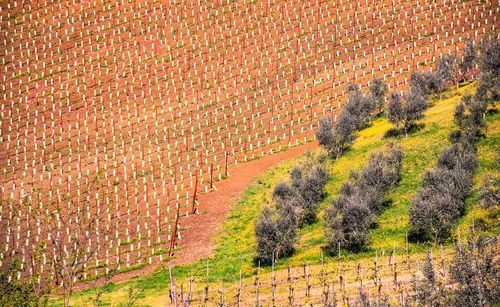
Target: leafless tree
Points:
(469, 57)
(447, 69)
(74, 232)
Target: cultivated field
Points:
(117, 115)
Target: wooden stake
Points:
(211, 175)
(205, 299)
(194, 208)
(173, 292)
(273, 282)
(257, 284)
(290, 287)
(239, 291)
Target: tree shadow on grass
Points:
(397, 132)
(490, 111)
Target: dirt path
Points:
(196, 240)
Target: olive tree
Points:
(425, 82)
(469, 57)
(341, 135)
(440, 199)
(489, 64)
(348, 222)
(378, 90)
(360, 106)
(489, 193)
(403, 111)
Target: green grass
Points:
(235, 238)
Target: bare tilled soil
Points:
(128, 111)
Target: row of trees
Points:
(403, 110)
(358, 111)
(297, 201)
(440, 200)
(350, 217)
(296, 204)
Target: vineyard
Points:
(383, 279)
(119, 117)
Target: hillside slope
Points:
(235, 239)
(152, 99)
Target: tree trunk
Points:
(66, 299)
